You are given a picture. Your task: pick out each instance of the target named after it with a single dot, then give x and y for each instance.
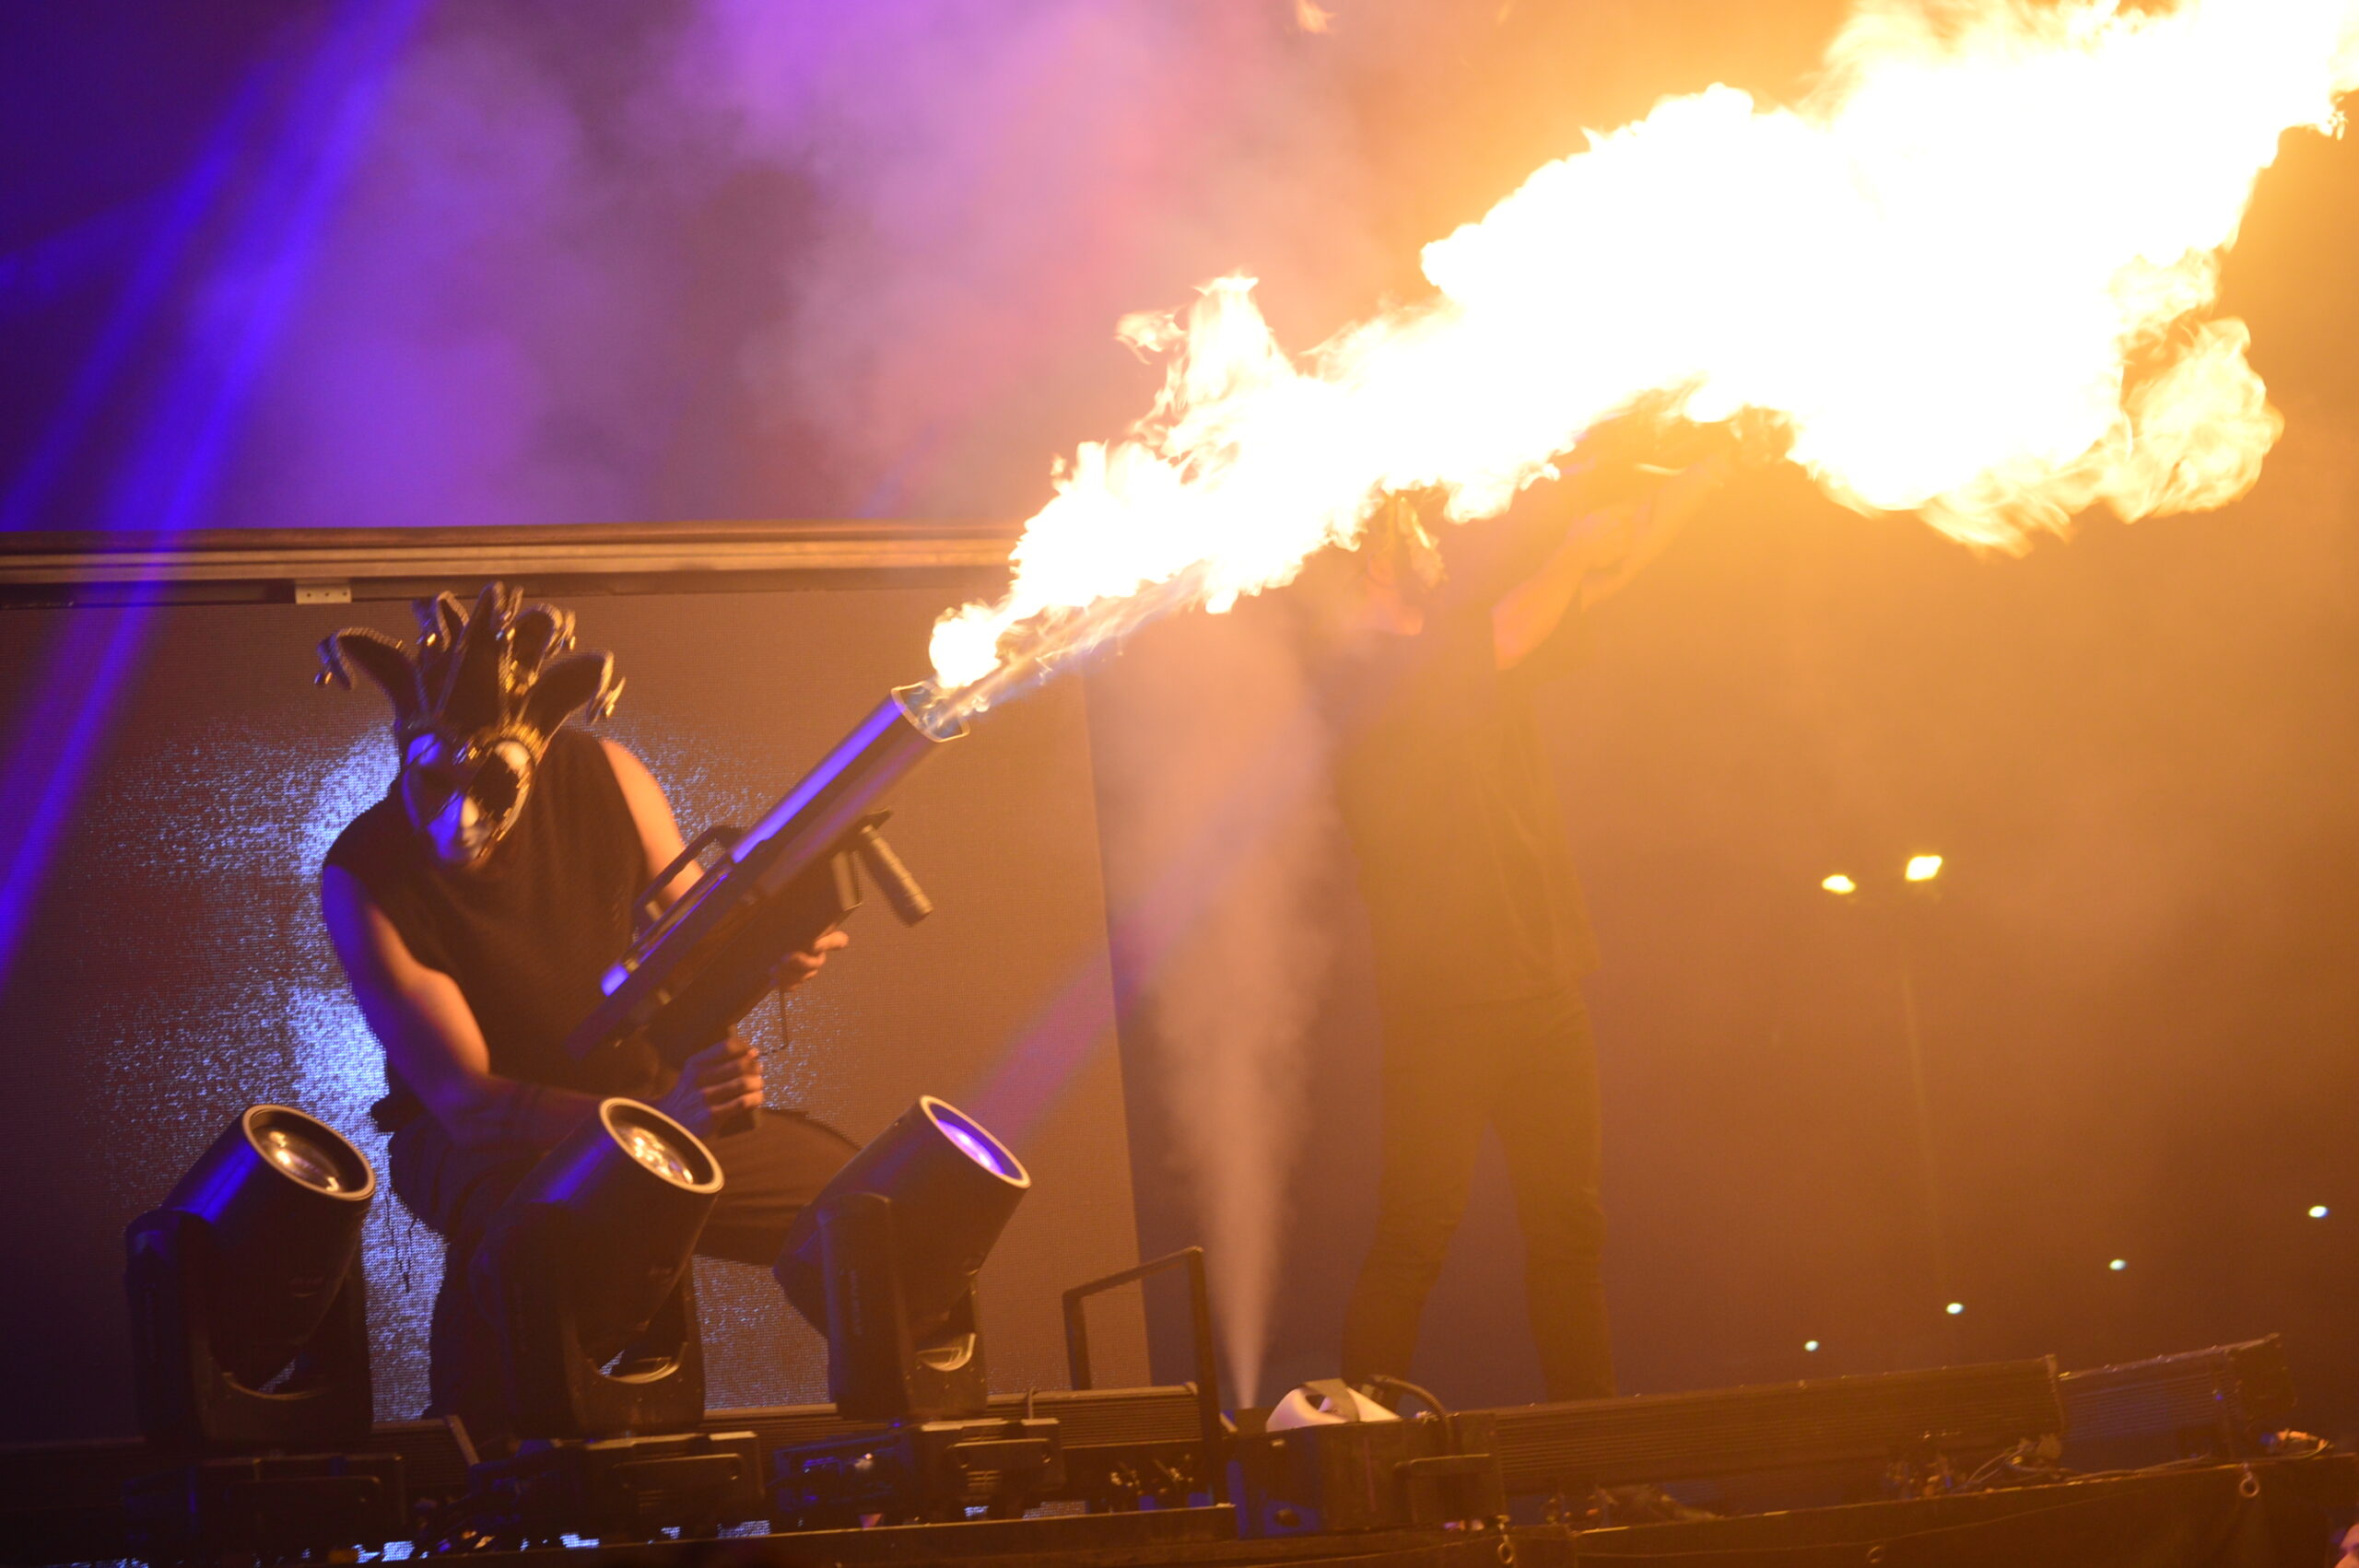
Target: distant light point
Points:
(2118, 1264)
(1954, 1308)
(1811, 1345)
(1841, 885)
(2320, 1210)
(1923, 868)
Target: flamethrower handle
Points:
(900, 889)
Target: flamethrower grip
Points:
(906, 899)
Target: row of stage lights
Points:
(250, 1320)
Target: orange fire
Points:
(1972, 277)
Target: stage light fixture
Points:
(2118, 1264)
(585, 1272)
(249, 1314)
(884, 1264)
(1811, 1345)
(1954, 1308)
(1922, 868)
(2320, 1210)
(1841, 885)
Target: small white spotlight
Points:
(1841, 885)
(2118, 1264)
(2320, 1210)
(1954, 1308)
(1811, 1345)
(1922, 868)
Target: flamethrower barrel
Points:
(703, 969)
(845, 785)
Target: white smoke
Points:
(1211, 750)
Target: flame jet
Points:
(1971, 277)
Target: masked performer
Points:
(1480, 936)
(475, 909)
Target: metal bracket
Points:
(1213, 1426)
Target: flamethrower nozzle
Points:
(944, 714)
(1032, 651)
(941, 715)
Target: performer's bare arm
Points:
(1600, 553)
(432, 1039)
(429, 1033)
(659, 834)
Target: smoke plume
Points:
(1210, 755)
(737, 259)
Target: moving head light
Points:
(884, 1264)
(248, 1316)
(585, 1270)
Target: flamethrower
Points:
(701, 965)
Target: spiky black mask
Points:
(474, 708)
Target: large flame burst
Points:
(1973, 277)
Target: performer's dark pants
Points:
(767, 1175)
(1530, 1070)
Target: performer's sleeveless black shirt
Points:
(529, 937)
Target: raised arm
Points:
(1600, 553)
(1654, 523)
(430, 1035)
(1528, 613)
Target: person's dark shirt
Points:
(1446, 794)
(529, 938)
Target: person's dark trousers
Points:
(767, 1175)
(1530, 1070)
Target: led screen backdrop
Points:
(176, 970)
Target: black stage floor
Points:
(65, 1503)
(2262, 1515)
(2256, 1515)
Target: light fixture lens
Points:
(975, 1148)
(1923, 868)
(302, 1159)
(657, 1154)
(1841, 885)
(975, 1144)
(2320, 1210)
(1954, 1308)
